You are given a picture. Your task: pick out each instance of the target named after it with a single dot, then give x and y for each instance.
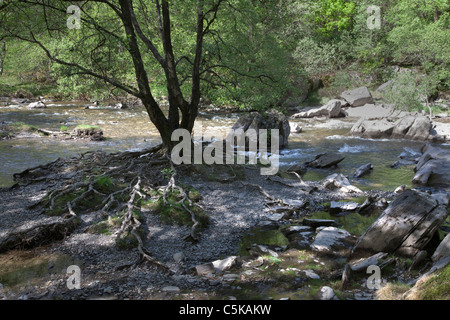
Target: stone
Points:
(178, 257)
(121, 106)
(363, 264)
(295, 128)
(272, 119)
(418, 259)
(443, 250)
(331, 240)
(37, 105)
(337, 181)
(171, 289)
(363, 170)
(295, 229)
(325, 160)
(400, 189)
(92, 133)
(311, 274)
(337, 207)
(433, 167)
(326, 293)
(205, 269)
(407, 127)
(405, 227)
(442, 198)
(373, 129)
(331, 110)
(223, 265)
(230, 277)
(370, 112)
(357, 97)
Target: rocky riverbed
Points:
(280, 237)
(268, 238)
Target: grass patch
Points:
(433, 287)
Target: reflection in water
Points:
(131, 129)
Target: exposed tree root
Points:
(111, 186)
(170, 187)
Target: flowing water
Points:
(130, 129)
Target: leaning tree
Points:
(129, 45)
(100, 38)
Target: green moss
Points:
(174, 213)
(92, 201)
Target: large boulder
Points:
(405, 227)
(413, 128)
(333, 241)
(443, 250)
(373, 129)
(357, 97)
(433, 167)
(331, 110)
(408, 127)
(270, 120)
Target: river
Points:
(130, 129)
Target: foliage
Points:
(255, 54)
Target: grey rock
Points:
(331, 240)
(363, 170)
(325, 160)
(311, 274)
(433, 167)
(205, 269)
(443, 250)
(171, 289)
(178, 257)
(337, 181)
(296, 229)
(331, 110)
(272, 120)
(357, 97)
(223, 265)
(37, 105)
(326, 293)
(362, 265)
(373, 129)
(405, 227)
(337, 207)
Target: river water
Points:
(130, 129)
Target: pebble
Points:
(171, 289)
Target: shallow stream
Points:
(130, 129)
